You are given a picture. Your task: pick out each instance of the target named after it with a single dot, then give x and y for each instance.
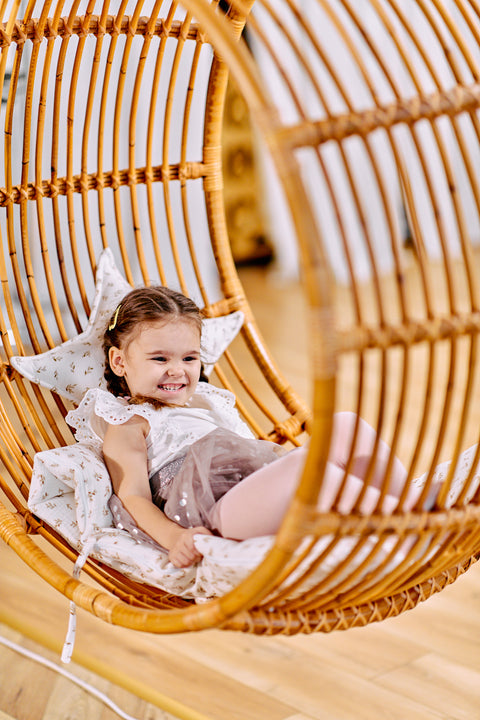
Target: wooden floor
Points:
(424, 665)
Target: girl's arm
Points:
(125, 454)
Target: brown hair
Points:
(143, 305)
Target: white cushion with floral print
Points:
(78, 364)
(70, 490)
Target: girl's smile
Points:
(161, 360)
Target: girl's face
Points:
(161, 360)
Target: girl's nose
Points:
(174, 370)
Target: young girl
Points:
(180, 458)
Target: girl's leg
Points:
(256, 506)
(365, 439)
(258, 503)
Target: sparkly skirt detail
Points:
(211, 466)
(187, 488)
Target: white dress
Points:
(195, 452)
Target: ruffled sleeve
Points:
(171, 428)
(98, 409)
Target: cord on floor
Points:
(73, 678)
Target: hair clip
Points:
(113, 324)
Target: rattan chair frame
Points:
(47, 267)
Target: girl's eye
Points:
(160, 358)
(189, 358)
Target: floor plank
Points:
(457, 687)
(281, 677)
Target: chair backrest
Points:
(112, 117)
(112, 126)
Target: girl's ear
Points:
(115, 359)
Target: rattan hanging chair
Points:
(367, 115)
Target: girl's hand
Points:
(184, 553)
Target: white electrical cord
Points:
(58, 669)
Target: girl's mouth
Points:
(172, 388)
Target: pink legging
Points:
(258, 503)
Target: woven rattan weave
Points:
(112, 117)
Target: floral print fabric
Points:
(71, 489)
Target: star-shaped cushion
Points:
(77, 365)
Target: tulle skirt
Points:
(188, 488)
